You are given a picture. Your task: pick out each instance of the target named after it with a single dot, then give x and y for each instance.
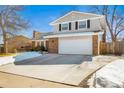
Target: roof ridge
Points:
(87, 13)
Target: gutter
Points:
(74, 34)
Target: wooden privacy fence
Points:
(1, 49)
(107, 48)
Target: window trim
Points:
(77, 25)
(80, 21)
(65, 23)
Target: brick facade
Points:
(53, 45)
(95, 44)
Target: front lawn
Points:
(7, 54)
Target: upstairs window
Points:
(64, 26)
(82, 24)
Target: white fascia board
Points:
(39, 40)
(74, 34)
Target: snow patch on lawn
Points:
(112, 75)
(6, 60)
(26, 55)
(18, 57)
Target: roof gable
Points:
(19, 37)
(73, 16)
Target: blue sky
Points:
(39, 17)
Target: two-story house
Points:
(76, 33)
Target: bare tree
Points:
(114, 18)
(10, 22)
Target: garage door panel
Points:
(75, 45)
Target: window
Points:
(64, 26)
(82, 24)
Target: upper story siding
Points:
(96, 23)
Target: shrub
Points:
(32, 49)
(42, 48)
(39, 48)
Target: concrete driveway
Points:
(67, 69)
(55, 59)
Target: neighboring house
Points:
(38, 39)
(76, 33)
(19, 43)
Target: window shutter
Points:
(76, 25)
(88, 23)
(59, 27)
(70, 26)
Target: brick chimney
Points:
(36, 34)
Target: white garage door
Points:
(75, 45)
